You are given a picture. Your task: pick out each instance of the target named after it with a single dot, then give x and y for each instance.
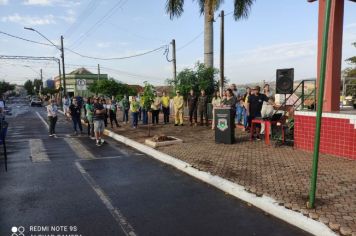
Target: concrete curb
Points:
(267, 204)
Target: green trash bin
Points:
(224, 125)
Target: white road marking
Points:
(101, 158)
(79, 149)
(115, 212)
(38, 151)
(44, 122)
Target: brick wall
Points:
(337, 137)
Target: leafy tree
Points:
(110, 87)
(29, 87)
(198, 78)
(350, 75)
(148, 95)
(38, 84)
(207, 7)
(5, 86)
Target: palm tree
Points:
(207, 7)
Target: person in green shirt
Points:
(112, 114)
(125, 103)
(134, 108)
(89, 114)
(144, 111)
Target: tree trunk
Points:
(208, 36)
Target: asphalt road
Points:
(69, 186)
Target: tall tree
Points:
(350, 75)
(29, 87)
(110, 87)
(200, 77)
(5, 86)
(207, 7)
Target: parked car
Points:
(36, 102)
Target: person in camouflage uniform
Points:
(203, 107)
(178, 109)
(192, 105)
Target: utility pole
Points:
(222, 53)
(98, 71)
(63, 69)
(60, 82)
(41, 77)
(174, 60)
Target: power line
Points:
(130, 73)
(117, 58)
(135, 34)
(27, 40)
(106, 16)
(90, 57)
(82, 17)
(191, 41)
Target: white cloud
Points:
(4, 2)
(261, 63)
(62, 3)
(38, 2)
(29, 20)
(284, 51)
(104, 44)
(70, 17)
(350, 26)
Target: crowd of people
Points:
(96, 111)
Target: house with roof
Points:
(78, 81)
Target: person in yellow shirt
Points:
(165, 107)
(155, 107)
(178, 109)
(134, 108)
(144, 111)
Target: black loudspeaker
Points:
(285, 81)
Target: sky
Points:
(277, 34)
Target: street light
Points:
(62, 56)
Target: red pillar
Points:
(333, 68)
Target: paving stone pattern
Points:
(282, 173)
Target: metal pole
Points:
(63, 67)
(98, 71)
(222, 45)
(343, 87)
(174, 60)
(320, 105)
(303, 95)
(60, 82)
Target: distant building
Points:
(48, 83)
(78, 81)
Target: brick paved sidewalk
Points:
(281, 173)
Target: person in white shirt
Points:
(66, 103)
(52, 111)
(267, 107)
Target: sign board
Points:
(81, 84)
